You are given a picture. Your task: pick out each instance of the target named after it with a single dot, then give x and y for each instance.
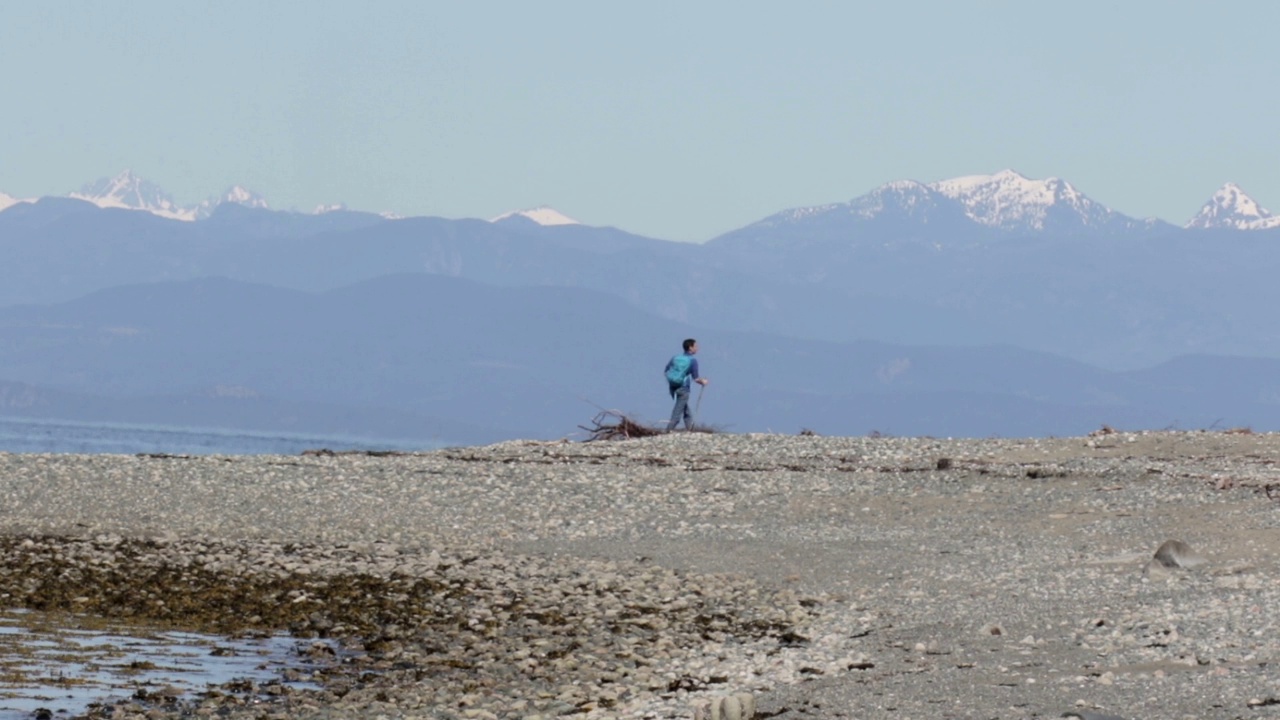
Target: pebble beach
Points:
(826, 577)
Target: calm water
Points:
(61, 663)
(54, 436)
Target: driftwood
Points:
(613, 425)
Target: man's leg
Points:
(681, 410)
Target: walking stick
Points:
(696, 405)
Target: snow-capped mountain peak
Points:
(542, 215)
(237, 194)
(1007, 201)
(906, 197)
(241, 195)
(1012, 201)
(1231, 207)
(1008, 181)
(131, 192)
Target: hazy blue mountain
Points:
(57, 249)
(1122, 299)
(435, 353)
(235, 221)
(980, 260)
(980, 209)
(62, 249)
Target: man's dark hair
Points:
(689, 343)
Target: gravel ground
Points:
(830, 577)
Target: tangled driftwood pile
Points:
(614, 425)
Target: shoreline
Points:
(833, 577)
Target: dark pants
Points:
(681, 410)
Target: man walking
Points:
(680, 370)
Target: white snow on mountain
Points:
(905, 197)
(236, 194)
(322, 209)
(542, 215)
(8, 201)
(1012, 201)
(131, 192)
(1231, 207)
(243, 196)
(1005, 200)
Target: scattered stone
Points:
(1178, 554)
(628, 579)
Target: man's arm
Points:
(693, 373)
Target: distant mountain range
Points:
(130, 192)
(1006, 200)
(127, 191)
(974, 306)
(442, 358)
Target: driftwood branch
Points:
(613, 425)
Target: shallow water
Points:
(62, 663)
(21, 435)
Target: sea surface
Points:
(21, 435)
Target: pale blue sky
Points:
(675, 120)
